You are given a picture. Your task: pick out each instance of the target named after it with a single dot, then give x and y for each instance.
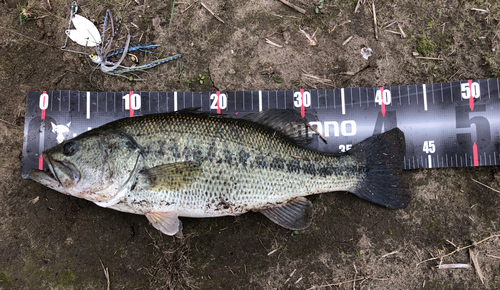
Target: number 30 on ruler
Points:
(302, 99)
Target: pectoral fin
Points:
(167, 222)
(173, 176)
(294, 215)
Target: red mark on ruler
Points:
(130, 104)
(382, 100)
(302, 109)
(218, 106)
(471, 98)
(44, 105)
(474, 151)
(40, 163)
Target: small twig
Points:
(429, 58)
(272, 252)
(338, 284)
(293, 273)
(403, 34)
(388, 25)
(316, 79)
(299, 157)
(355, 274)
(215, 15)
(189, 7)
(391, 253)
(333, 29)
(106, 272)
(451, 243)
(492, 256)
(453, 75)
(357, 6)
(312, 39)
(347, 40)
(289, 16)
(394, 32)
(272, 43)
(480, 10)
(375, 19)
(454, 266)
(9, 123)
(473, 257)
(301, 10)
(345, 22)
(316, 131)
(485, 185)
(298, 280)
(25, 36)
(48, 2)
(458, 249)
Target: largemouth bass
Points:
(189, 164)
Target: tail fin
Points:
(383, 182)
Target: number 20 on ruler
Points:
(219, 101)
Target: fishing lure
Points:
(86, 34)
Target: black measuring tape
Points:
(446, 125)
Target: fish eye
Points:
(69, 149)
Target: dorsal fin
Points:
(288, 122)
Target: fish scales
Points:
(203, 165)
(244, 166)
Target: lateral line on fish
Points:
(121, 193)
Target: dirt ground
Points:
(61, 242)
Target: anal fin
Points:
(294, 215)
(167, 222)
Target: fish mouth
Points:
(62, 174)
(51, 167)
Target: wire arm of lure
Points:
(108, 69)
(74, 9)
